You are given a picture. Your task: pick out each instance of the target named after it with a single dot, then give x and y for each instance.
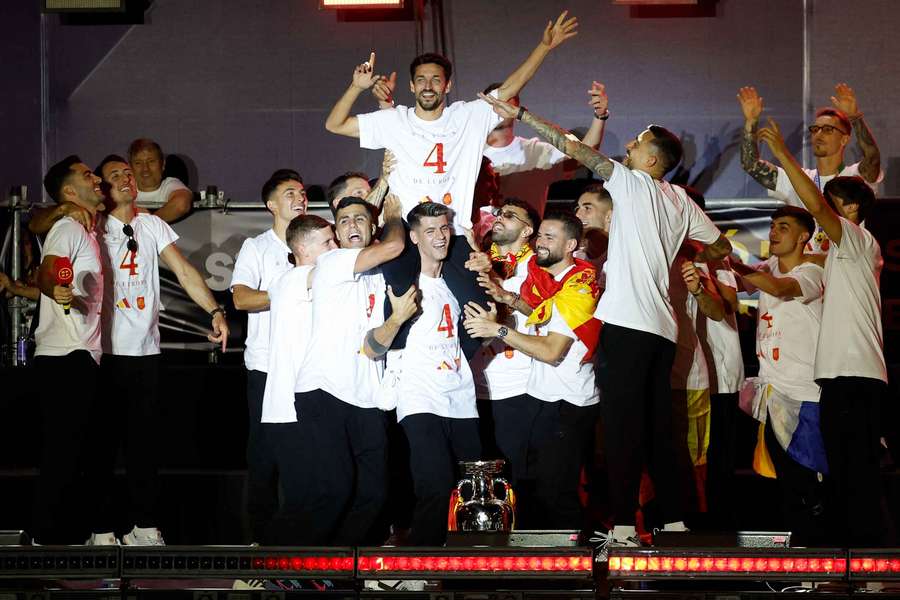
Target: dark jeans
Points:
(67, 393)
(802, 496)
(436, 445)
(849, 417)
(404, 270)
(127, 413)
(335, 479)
(638, 422)
(720, 460)
(262, 474)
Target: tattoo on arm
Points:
(715, 251)
(870, 166)
(586, 155)
(762, 171)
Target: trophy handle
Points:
(509, 496)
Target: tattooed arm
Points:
(844, 99)
(592, 159)
(762, 171)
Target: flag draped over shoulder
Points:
(575, 297)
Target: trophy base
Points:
(528, 538)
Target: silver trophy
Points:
(474, 505)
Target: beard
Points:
(432, 104)
(549, 259)
(504, 236)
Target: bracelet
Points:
(217, 309)
(522, 110)
(515, 299)
(602, 117)
(699, 291)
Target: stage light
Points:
(59, 562)
(360, 4)
(874, 565)
(446, 563)
(732, 563)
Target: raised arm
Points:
(844, 99)
(807, 191)
(556, 135)
(376, 195)
(600, 105)
(554, 35)
(378, 341)
(762, 171)
(339, 120)
(392, 240)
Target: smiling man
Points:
(132, 246)
(261, 261)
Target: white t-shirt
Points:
(261, 261)
(435, 377)
(650, 221)
(851, 343)
(787, 330)
(722, 346)
(527, 167)
(345, 306)
(131, 288)
(58, 333)
(689, 370)
(436, 160)
(161, 194)
(571, 380)
(291, 310)
(784, 190)
(501, 371)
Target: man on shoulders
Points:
(830, 135)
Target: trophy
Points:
(474, 505)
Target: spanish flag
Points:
(575, 297)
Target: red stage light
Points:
(356, 4)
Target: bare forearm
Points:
(377, 193)
(594, 136)
(715, 251)
(383, 337)
(870, 166)
(178, 205)
(762, 171)
(807, 191)
(42, 219)
(192, 282)
(249, 299)
(523, 74)
(780, 287)
(584, 154)
(340, 113)
(537, 347)
(710, 304)
(25, 291)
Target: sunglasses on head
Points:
(132, 243)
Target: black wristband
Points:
(217, 309)
(522, 110)
(602, 117)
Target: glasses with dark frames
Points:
(814, 129)
(508, 214)
(132, 243)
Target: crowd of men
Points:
(448, 313)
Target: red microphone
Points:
(64, 275)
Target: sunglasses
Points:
(508, 214)
(829, 129)
(132, 243)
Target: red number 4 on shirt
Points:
(131, 267)
(446, 323)
(438, 153)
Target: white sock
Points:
(144, 530)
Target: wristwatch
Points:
(218, 309)
(502, 332)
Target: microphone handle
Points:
(66, 307)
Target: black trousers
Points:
(802, 496)
(66, 409)
(436, 445)
(127, 412)
(849, 416)
(404, 270)
(262, 474)
(334, 480)
(638, 422)
(720, 460)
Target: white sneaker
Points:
(102, 539)
(620, 537)
(143, 536)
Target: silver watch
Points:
(502, 332)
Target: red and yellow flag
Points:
(575, 297)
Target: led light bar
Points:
(445, 563)
(727, 563)
(236, 561)
(359, 4)
(59, 562)
(874, 565)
